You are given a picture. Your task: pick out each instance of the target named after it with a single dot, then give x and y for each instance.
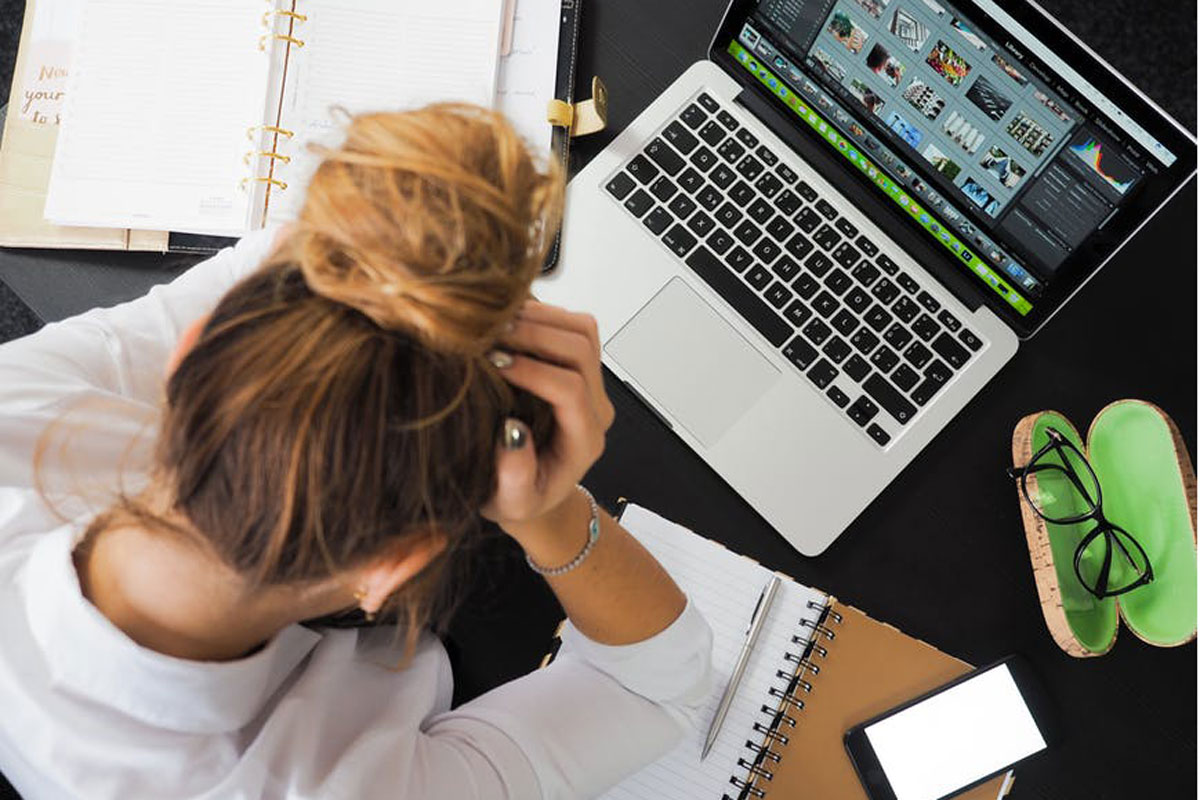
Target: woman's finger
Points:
(581, 430)
(546, 314)
(562, 347)
(517, 493)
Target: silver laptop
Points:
(813, 249)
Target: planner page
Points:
(379, 55)
(158, 104)
(529, 72)
(725, 588)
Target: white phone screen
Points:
(956, 737)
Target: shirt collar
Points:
(88, 656)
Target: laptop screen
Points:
(1009, 160)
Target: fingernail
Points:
(500, 359)
(514, 435)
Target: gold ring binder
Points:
(273, 181)
(270, 128)
(283, 37)
(266, 154)
(266, 19)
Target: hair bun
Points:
(434, 221)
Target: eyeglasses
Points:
(1068, 492)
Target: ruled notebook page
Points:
(381, 55)
(158, 102)
(725, 588)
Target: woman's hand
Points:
(555, 355)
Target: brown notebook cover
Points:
(868, 667)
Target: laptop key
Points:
(806, 285)
(836, 349)
(955, 354)
(846, 255)
(799, 246)
(970, 340)
(787, 173)
(722, 176)
(797, 313)
(846, 227)
(878, 318)
(657, 220)
(949, 320)
(760, 211)
(808, 220)
(926, 327)
(825, 304)
(693, 117)
(709, 198)
(889, 399)
(827, 237)
(822, 373)
(885, 291)
(885, 359)
(737, 294)
(769, 185)
(620, 185)
(857, 299)
(661, 153)
(868, 248)
(905, 377)
(712, 133)
(778, 294)
(639, 202)
(730, 150)
(738, 259)
(758, 277)
(938, 371)
(706, 101)
(878, 434)
(747, 138)
(780, 229)
(865, 273)
(844, 322)
(886, 264)
(925, 391)
(768, 157)
(767, 251)
(690, 180)
(741, 193)
(682, 206)
(786, 268)
(679, 240)
(839, 398)
(747, 233)
(719, 241)
(862, 410)
(663, 189)
(703, 158)
(818, 263)
(701, 224)
(907, 283)
(856, 367)
(727, 119)
(838, 282)
(788, 202)
(864, 341)
(898, 336)
(750, 168)
(641, 168)
(906, 309)
(800, 352)
(817, 331)
(806, 191)
(681, 137)
(826, 209)
(917, 354)
(729, 215)
(929, 302)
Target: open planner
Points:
(818, 668)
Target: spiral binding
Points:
(760, 758)
(253, 158)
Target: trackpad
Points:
(692, 362)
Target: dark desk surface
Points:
(941, 553)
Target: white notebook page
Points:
(380, 55)
(529, 72)
(158, 103)
(725, 587)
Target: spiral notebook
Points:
(819, 667)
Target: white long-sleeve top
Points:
(88, 713)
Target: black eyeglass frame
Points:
(1112, 532)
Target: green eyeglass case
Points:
(1149, 489)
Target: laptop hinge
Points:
(878, 208)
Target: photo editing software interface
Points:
(1005, 163)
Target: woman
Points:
(343, 399)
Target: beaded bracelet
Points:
(593, 535)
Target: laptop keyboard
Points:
(875, 341)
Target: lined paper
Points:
(158, 102)
(381, 55)
(725, 588)
(528, 73)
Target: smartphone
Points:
(956, 736)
